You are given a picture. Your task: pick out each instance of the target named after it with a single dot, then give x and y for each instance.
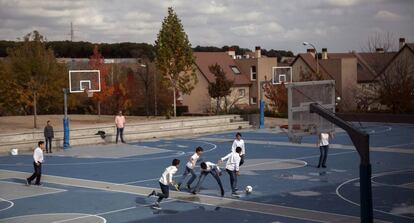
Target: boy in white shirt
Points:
(165, 180)
(37, 164)
(239, 142)
(209, 168)
(323, 143)
(232, 168)
(189, 168)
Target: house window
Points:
(282, 78)
(242, 92)
(253, 100)
(235, 69)
(253, 73)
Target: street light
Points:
(155, 87)
(316, 55)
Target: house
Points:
(258, 68)
(199, 101)
(354, 72)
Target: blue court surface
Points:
(287, 186)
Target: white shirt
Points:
(167, 176)
(238, 143)
(324, 140)
(233, 161)
(38, 155)
(211, 166)
(193, 160)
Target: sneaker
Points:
(152, 193)
(222, 193)
(156, 206)
(194, 192)
(323, 166)
(39, 184)
(28, 182)
(234, 194)
(189, 187)
(177, 187)
(319, 166)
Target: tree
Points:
(221, 87)
(96, 62)
(174, 56)
(277, 94)
(385, 41)
(309, 75)
(396, 86)
(34, 76)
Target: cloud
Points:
(385, 15)
(340, 25)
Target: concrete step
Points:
(157, 129)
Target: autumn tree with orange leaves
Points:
(97, 62)
(277, 94)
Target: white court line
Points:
(10, 202)
(375, 175)
(55, 190)
(146, 180)
(88, 215)
(405, 144)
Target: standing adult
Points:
(37, 164)
(49, 135)
(120, 125)
(239, 142)
(323, 143)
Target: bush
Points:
(181, 109)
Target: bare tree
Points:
(385, 41)
(396, 85)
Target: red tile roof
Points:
(205, 59)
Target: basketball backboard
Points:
(281, 75)
(300, 95)
(81, 80)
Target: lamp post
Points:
(316, 55)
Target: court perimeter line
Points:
(87, 216)
(249, 206)
(312, 145)
(373, 176)
(10, 202)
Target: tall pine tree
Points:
(174, 56)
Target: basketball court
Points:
(110, 183)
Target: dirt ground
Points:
(14, 124)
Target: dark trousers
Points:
(323, 155)
(48, 141)
(120, 132)
(203, 176)
(241, 160)
(233, 180)
(37, 173)
(185, 174)
(165, 192)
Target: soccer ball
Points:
(249, 189)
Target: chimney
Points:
(324, 53)
(311, 51)
(379, 50)
(232, 53)
(402, 42)
(258, 52)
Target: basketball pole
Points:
(360, 140)
(66, 144)
(262, 104)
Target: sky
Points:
(339, 25)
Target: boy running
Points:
(239, 142)
(232, 168)
(209, 168)
(189, 168)
(165, 180)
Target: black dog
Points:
(101, 133)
